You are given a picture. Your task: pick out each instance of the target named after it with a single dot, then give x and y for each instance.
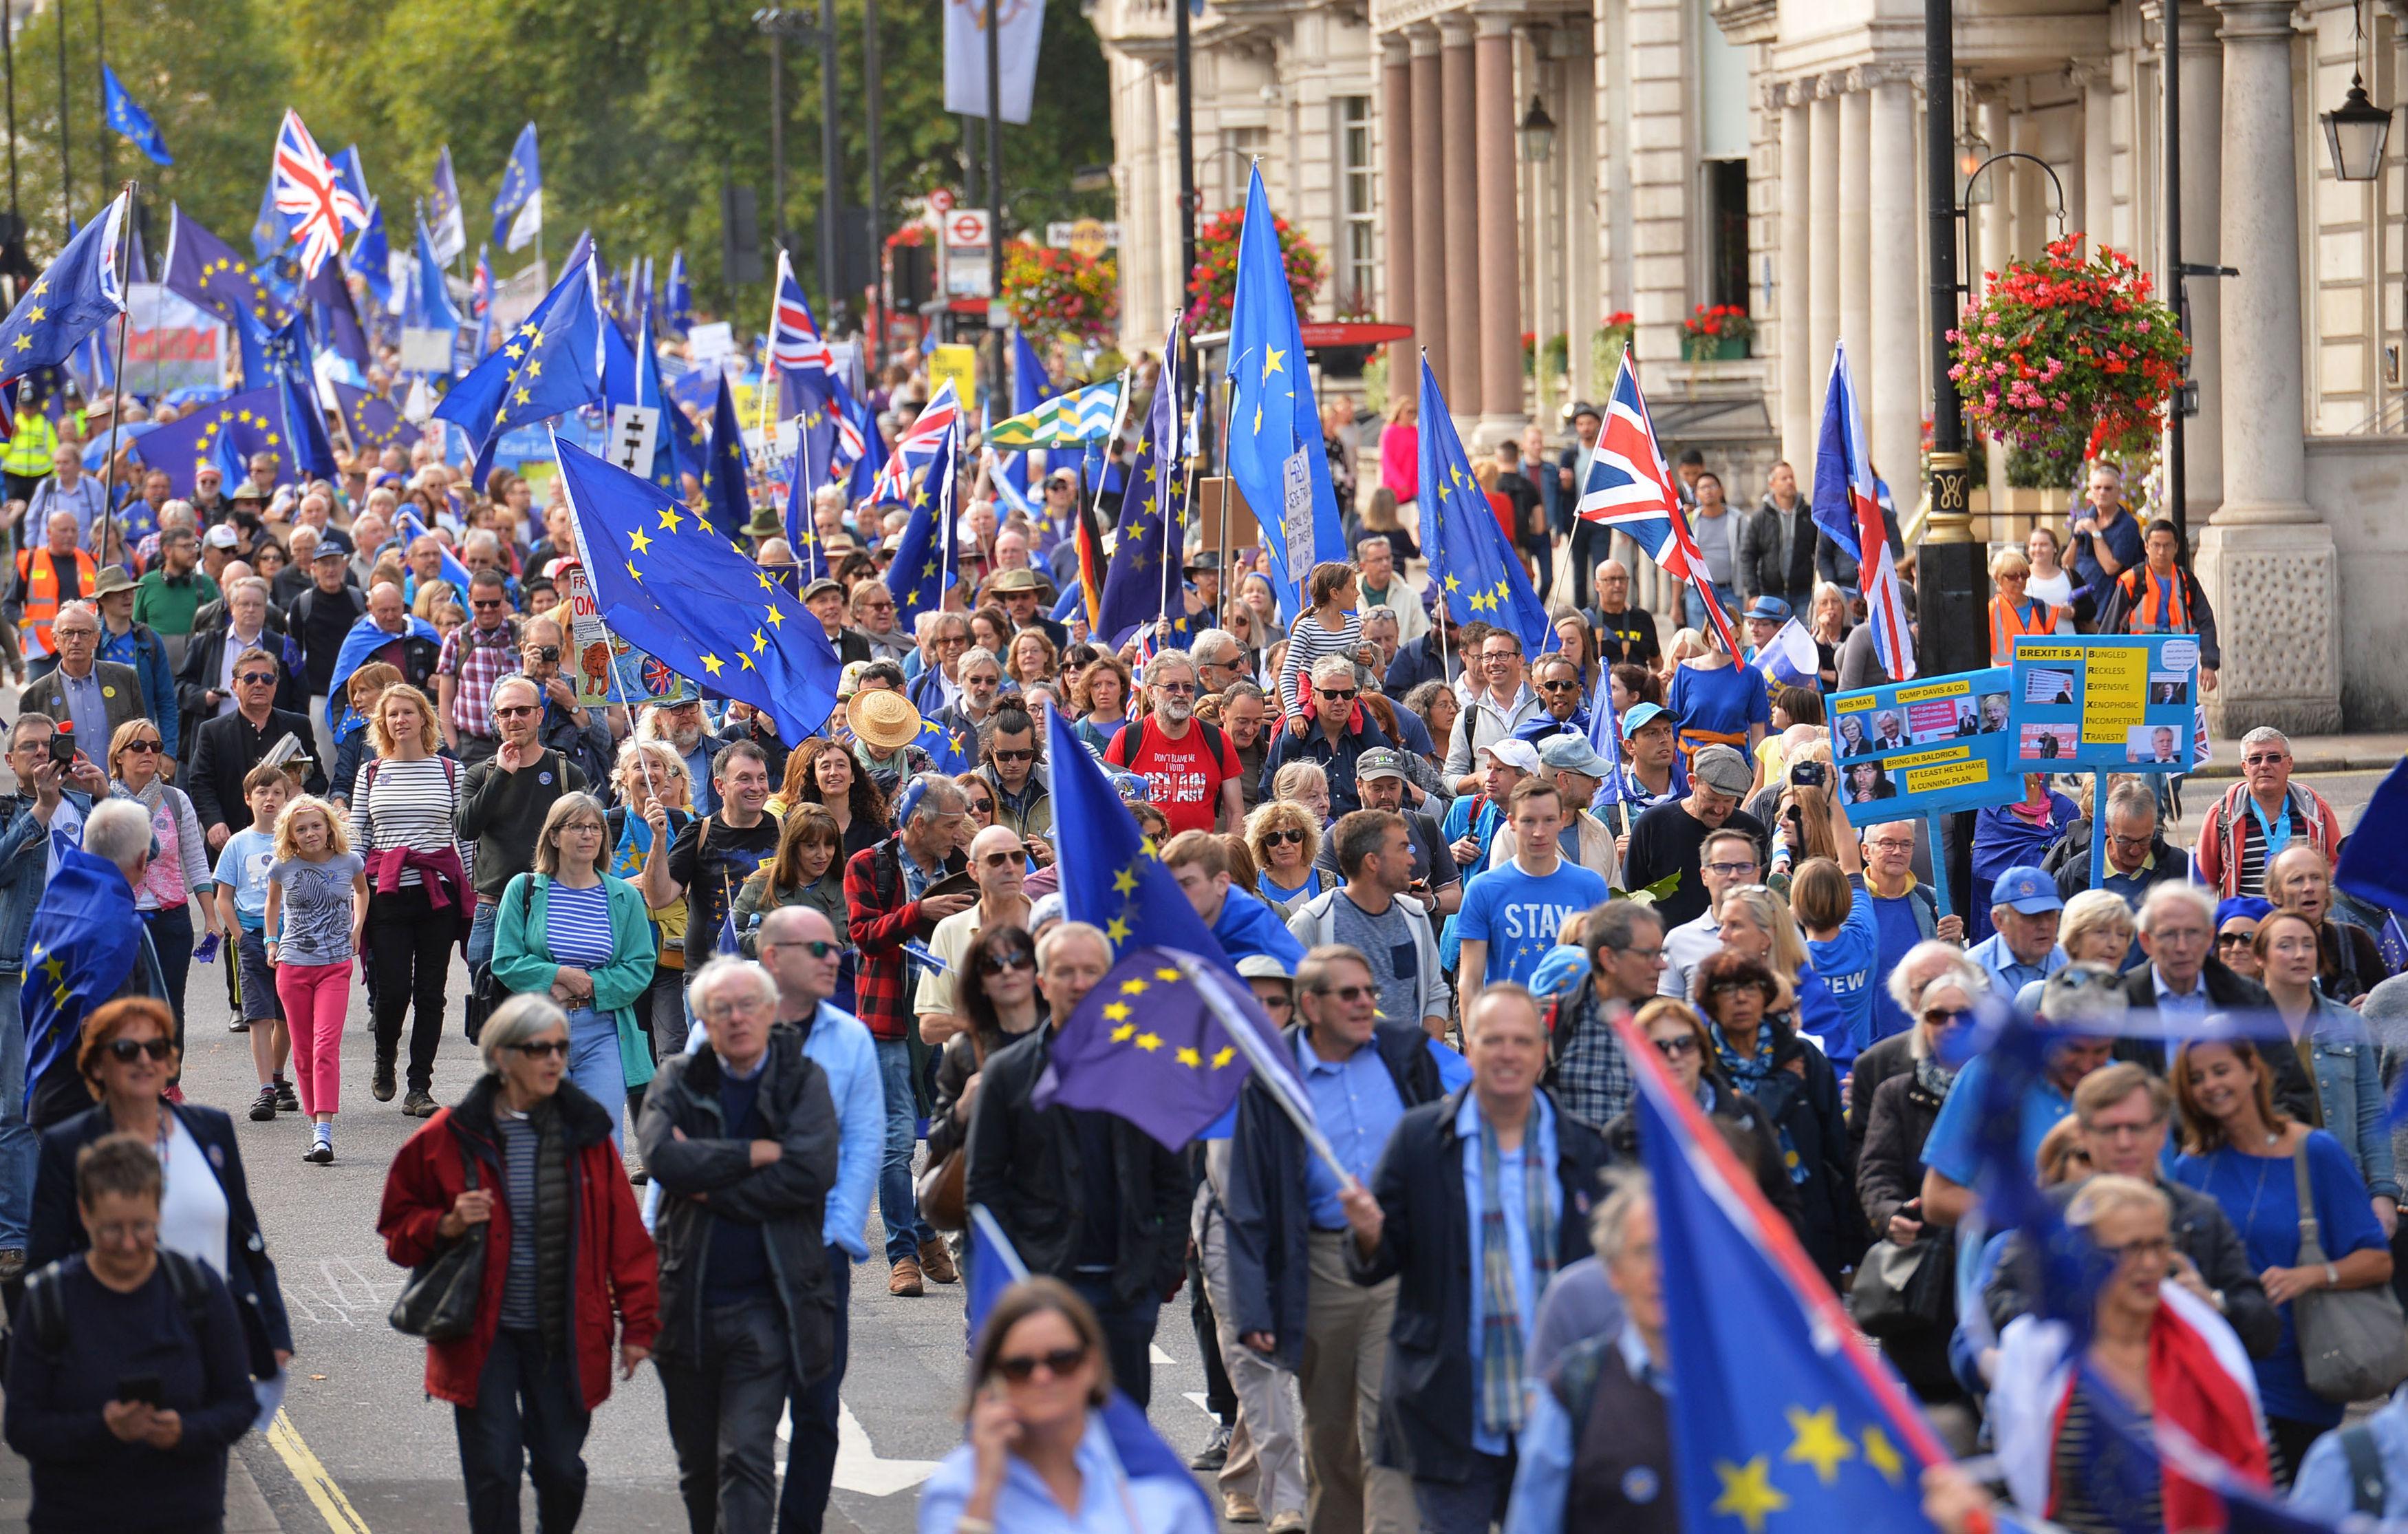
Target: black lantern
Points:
(1538, 134)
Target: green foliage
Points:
(641, 106)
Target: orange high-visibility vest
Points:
(2009, 623)
(40, 577)
(2151, 610)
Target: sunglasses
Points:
(818, 947)
(494, 606)
(2235, 939)
(1348, 994)
(1001, 860)
(1185, 688)
(997, 963)
(981, 807)
(1021, 756)
(537, 1048)
(1677, 1048)
(141, 748)
(1337, 695)
(1274, 838)
(1948, 1017)
(1021, 1368)
(514, 710)
(1558, 687)
(126, 1051)
(256, 678)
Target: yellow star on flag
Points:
(1883, 1455)
(712, 664)
(1224, 1057)
(632, 573)
(670, 521)
(1189, 1057)
(1166, 973)
(746, 662)
(640, 541)
(35, 313)
(1748, 1493)
(1123, 1034)
(776, 617)
(514, 352)
(55, 968)
(1818, 1441)
(1148, 1041)
(1273, 358)
(1117, 1011)
(1117, 930)
(1125, 882)
(760, 641)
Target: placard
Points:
(633, 429)
(425, 349)
(956, 362)
(589, 657)
(2105, 703)
(709, 343)
(1924, 747)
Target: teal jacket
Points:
(523, 960)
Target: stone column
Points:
(1468, 204)
(1428, 231)
(1857, 231)
(1498, 228)
(1897, 395)
(1396, 195)
(2267, 559)
(1795, 255)
(1823, 214)
(1141, 196)
(1995, 221)
(2202, 181)
(2097, 211)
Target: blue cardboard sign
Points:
(2104, 703)
(1924, 747)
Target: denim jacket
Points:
(2349, 1083)
(25, 871)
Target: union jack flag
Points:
(1847, 505)
(316, 206)
(793, 332)
(1631, 490)
(918, 446)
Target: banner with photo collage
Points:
(1925, 747)
(2107, 703)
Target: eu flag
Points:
(83, 942)
(374, 421)
(726, 481)
(950, 750)
(429, 306)
(820, 401)
(918, 577)
(1112, 875)
(678, 300)
(83, 289)
(443, 208)
(372, 257)
(338, 323)
(1030, 388)
(517, 206)
(2370, 866)
(671, 455)
(305, 427)
(550, 365)
(1153, 543)
(207, 271)
(1274, 430)
(1469, 558)
(243, 423)
(1158, 1044)
(672, 588)
(1783, 1419)
(125, 114)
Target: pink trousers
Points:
(315, 998)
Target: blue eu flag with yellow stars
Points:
(1153, 1044)
(550, 365)
(83, 289)
(82, 944)
(1469, 558)
(240, 425)
(918, 577)
(121, 111)
(727, 480)
(373, 421)
(1275, 451)
(676, 590)
(1783, 1419)
(1110, 873)
(517, 205)
(1144, 573)
(208, 272)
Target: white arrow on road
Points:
(858, 1467)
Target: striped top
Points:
(519, 1142)
(414, 805)
(1306, 642)
(577, 925)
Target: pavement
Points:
(2317, 754)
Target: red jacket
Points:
(2218, 851)
(882, 922)
(614, 1289)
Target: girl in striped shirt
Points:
(1332, 627)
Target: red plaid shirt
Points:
(478, 659)
(882, 922)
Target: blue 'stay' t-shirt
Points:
(1517, 914)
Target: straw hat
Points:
(882, 719)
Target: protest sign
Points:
(1922, 749)
(2106, 703)
(588, 661)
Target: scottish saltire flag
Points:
(677, 298)
(371, 257)
(243, 423)
(1274, 429)
(317, 210)
(1846, 507)
(1153, 542)
(1785, 1420)
(669, 587)
(920, 574)
(727, 479)
(429, 306)
(358, 648)
(1110, 873)
(517, 206)
(2371, 866)
(936, 419)
(81, 291)
(1790, 657)
(122, 112)
(443, 209)
(1066, 421)
(374, 421)
(1469, 558)
(550, 365)
(84, 940)
(1631, 490)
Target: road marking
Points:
(858, 1467)
(323, 1493)
(1160, 1359)
(1202, 1403)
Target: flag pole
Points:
(117, 402)
(577, 531)
(945, 509)
(1228, 493)
(1162, 484)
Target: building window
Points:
(1246, 144)
(1357, 246)
(1727, 232)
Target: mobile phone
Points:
(1807, 775)
(145, 1388)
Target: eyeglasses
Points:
(2265, 758)
(141, 748)
(997, 964)
(1021, 1368)
(1642, 953)
(1559, 686)
(2235, 939)
(818, 947)
(1024, 754)
(116, 1233)
(126, 1051)
(1348, 994)
(75, 633)
(1275, 839)
(2127, 842)
(256, 678)
(1677, 1047)
(535, 1049)
(1733, 987)
(1731, 870)
(2150, 1246)
(1180, 689)
(514, 710)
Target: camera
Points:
(1808, 775)
(63, 749)
(546, 655)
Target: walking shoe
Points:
(1239, 1510)
(1290, 1522)
(239, 1026)
(418, 1105)
(287, 1099)
(383, 1086)
(905, 1280)
(1215, 1454)
(321, 1144)
(262, 1108)
(937, 1261)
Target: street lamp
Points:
(2355, 133)
(1538, 134)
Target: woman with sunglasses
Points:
(565, 1255)
(575, 933)
(1680, 1037)
(1889, 1176)
(978, 797)
(998, 995)
(1284, 839)
(1745, 1004)
(1039, 1455)
(180, 865)
(2236, 934)
(127, 1057)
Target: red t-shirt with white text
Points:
(1182, 778)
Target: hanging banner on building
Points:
(1019, 24)
(2107, 703)
(1925, 747)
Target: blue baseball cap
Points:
(2026, 889)
(1771, 609)
(1640, 716)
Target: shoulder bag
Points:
(2353, 1342)
(942, 1192)
(440, 1300)
(1902, 1291)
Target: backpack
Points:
(1116, 755)
(43, 1316)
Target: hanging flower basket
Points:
(1213, 284)
(1716, 333)
(2067, 356)
(1606, 347)
(1056, 293)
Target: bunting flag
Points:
(1472, 561)
(1066, 421)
